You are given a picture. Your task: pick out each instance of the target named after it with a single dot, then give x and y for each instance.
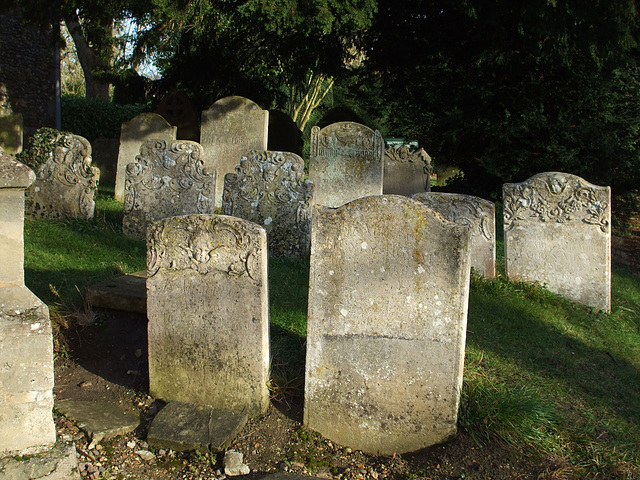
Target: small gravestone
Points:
(178, 109)
(406, 172)
(479, 215)
(231, 127)
(105, 157)
(346, 163)
(284, 134)
(557, 231)
(166, 179)
(11, 133)
(143, 127)
(66, 183)
(386, 330)
(208, 310)
(269, 189)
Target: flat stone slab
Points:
(99, 420)
(286, 476)
(126, 292)
(57, 463)
(183, 426)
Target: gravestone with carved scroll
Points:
(269, 189)
(346, 163)
(479, 215)
(166, 179)
(207, 304)
(66, 183)
(231, 127)
(406, 172)
(557, 232)
(388, 291)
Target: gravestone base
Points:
(127, 293)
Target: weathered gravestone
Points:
(26, 341)
(406, 172)
(143, 127)
(11, 133)
(386, 330)
(104, 152)
(166, 179)
(66, 183)
(557, 232)
(269, 189)
(346, 163)
(231, 127)
(176, 107)
(208, 310)
(479, 215)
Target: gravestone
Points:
(143, 127)
(178, 109)
(269, 189)
(11, 136)
(66, 183)
(208, 310)
(166, 179)
(388, 291)
(346, 163)
(104, 152)
(406, 172)
(26, 341)
(557, 232)
(284, 134)
(231, 127)
(479, 215)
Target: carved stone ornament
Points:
(403, 154)
(557, 197)
(206, 244)
(346, 139)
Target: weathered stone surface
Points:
(66, 183)
(57, 463)
(346, 163)
(11, 137)
(557, 231)
(269, 189)
(231, 127)
(126, 292)
(178, 109)
(184, 426)
(406, 172)
(479, 215)
(386, 329)
(167, 179)
(99, 420)
(135, 132)
(207, 304)
(233, 464)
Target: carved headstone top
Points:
(269, 189)
(406, 172)
(166, 179)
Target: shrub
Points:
(41, 144)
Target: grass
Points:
(542, 375)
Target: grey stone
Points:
(208, 311)
(231, 127)
(233, 465)
(57, 463)
(182, 426)
(557, 232)
(479, 215)
(143, 127)
(167, 179)
(388, 293)
(269, 189)
(99, 420)
(125, 292)
(406, 172)
(346, 163)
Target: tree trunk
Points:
(89, 60)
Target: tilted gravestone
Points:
(231, 127)
(406, 172)
(166, 179)
(26, 341)
(557, 232)
(386, 329)
(207, 304)
(479, 215)
(66, 183)
(346, 163)
(143, 127)
(269, 189)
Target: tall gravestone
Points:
(143, 127)
(406, 172)
(346, 163)
(231, 127)
(166, 179)
(479, 215)
(66, 183)
(386, 329)
(557, 231)
(208, 310)
(269, 189)
(26, 341)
